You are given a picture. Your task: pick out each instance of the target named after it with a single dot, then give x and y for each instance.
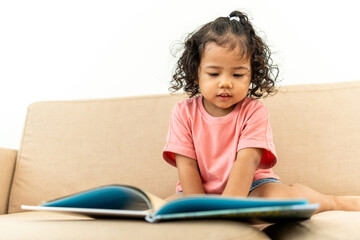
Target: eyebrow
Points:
(217, 67)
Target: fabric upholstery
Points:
(45, 225)
(325, 225)
(7, 166)
(316, 133)
(72, 146)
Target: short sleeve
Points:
(257, 133)
(179, 139)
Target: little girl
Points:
(220, 139)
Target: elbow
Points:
(257, 158)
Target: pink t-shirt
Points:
(215, 141)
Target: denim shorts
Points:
(262, 181)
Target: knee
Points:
(297, 187)
(298, 190)
(281, 191)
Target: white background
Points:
(83, 49)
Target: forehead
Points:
(216, 53)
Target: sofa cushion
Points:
(46, 225)
(71, 146)
(316, 134)
(325, 225)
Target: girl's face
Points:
(224, 78)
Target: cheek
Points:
(206, 84)
(247, 81)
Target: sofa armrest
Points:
(7, 167)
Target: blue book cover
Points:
(128, 201)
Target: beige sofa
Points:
(69, 146)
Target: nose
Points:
(224, 84)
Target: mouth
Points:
(224, 96)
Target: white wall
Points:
(76, 49)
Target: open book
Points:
(127, 201)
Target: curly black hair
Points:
(232, 31)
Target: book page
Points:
(156, 202)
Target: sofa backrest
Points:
(71, 146)
(317, 135)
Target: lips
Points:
(224, 96)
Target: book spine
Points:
(151, 219)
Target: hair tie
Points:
(236, 18)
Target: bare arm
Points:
(189, 175)
(242, 172)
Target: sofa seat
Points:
(51, 225)
(325, 225)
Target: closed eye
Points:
(238, 75)
(213, 74)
